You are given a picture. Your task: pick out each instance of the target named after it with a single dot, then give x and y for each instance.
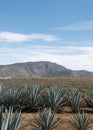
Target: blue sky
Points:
(59, 31)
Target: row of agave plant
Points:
(47, 102)
(34, 98)
(45, 121)
(48, 121)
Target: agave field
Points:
(46, 104)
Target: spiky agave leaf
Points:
(74, 99)
(89, 99)
(2, 94)
(1, 113)
(12, 97)
(46, 120)
(11, 120)
(34, 97)
(56, 98)
(81, 121)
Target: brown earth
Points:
(27, 119)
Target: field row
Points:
(35, 98)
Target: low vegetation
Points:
(81, 121)
(46, 99)
(11, 120)
(46, 121)
(89, 99)
(56, 99)
(33, 97)
(74, 99)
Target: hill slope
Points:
(40, 69)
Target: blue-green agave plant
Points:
(11, 120)
(46, 121)
(56, 98)
(80, 121)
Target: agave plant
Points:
(74, 99)
(12, 98)
(34, 97)
(46, 121)
(81, 121)
(2, 94)
(89, 99)
(11, 120)
(56, 98)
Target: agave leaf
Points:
(34, 97)
(46, 120)
(12, 97)
(81, 121)
(11, 121)
(74, 99)
(56, 98)
(89, 99)
(1, 112)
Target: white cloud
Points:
(87, 25)
(65, 56)
(18, 38)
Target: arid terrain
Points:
(27, 118)
(25, 125)
(85, 84)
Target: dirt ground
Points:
(27, 119)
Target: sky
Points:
(59, 31)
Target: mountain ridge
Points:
(40, 69)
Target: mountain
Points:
(39, 69)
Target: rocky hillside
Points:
(40, 69)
